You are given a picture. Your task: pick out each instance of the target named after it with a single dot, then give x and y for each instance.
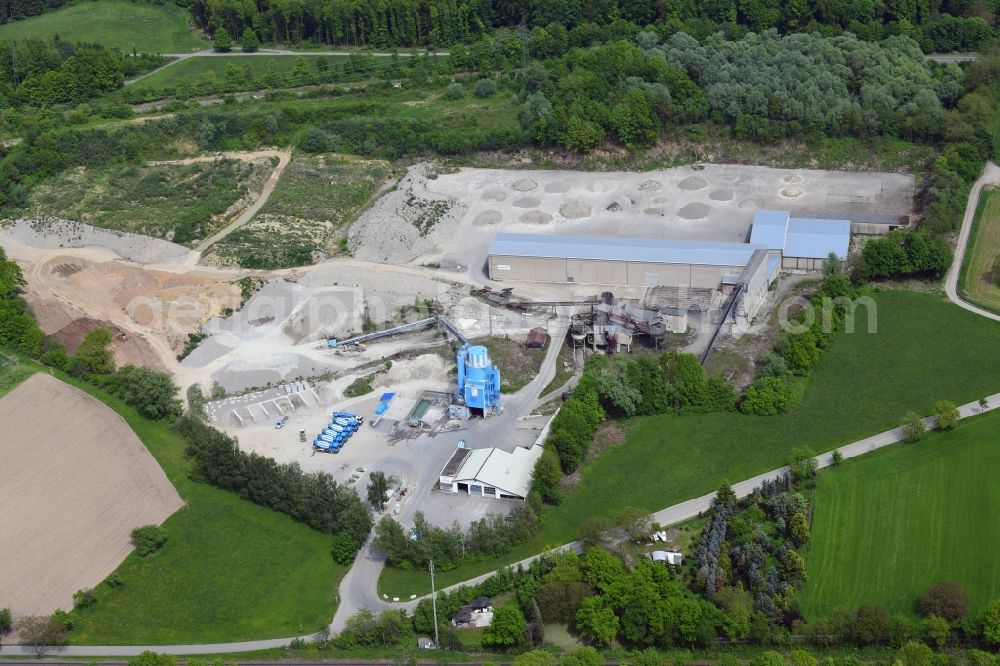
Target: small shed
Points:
(670, 557)
(536, 338)
(425, 643)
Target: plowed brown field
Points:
(74, 481)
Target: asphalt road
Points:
(953, 57)
(990, 176)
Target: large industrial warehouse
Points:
(640, 262)
(776, 239)
(802, 244)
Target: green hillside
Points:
(144, 27)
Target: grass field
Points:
(212, 70)
(145, 27)
(230, 570)
(309, 212)
(977, 283)
(889, 525)
(12, 372)
(518, 365)
(179, 202)
(863, 385)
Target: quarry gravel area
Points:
(406, 222)
(74, 482)
(714, 202)
(47, 233)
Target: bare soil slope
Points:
(74, 481)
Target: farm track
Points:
(284, 157)
(990, 176)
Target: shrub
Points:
(913, 428)
(485, 88)
(148, 539)
(836, 457)
(991, 623)
(114, 581)
(63, 620)
(344, 548)
(153, 394)
(871, 625)
(358, 387)
(454, 91)
(507, 631)
(803, 466)
(84, 598)
(946, 599)
(315, 140)
(798, 529)
(6, 621)
(945, 415)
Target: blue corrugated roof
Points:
(769, 228)
(612, 248)
(816, 239)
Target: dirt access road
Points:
(284, 157)
(990, 176)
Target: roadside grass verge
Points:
(562, 374)
(211, 70)
(889, 525)
(977, 283)
(863, 385)
(145, 27)
(229, 571)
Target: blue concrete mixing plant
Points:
(478, 380)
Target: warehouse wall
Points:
(801, 263)
(591, 271)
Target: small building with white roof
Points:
(491, 472)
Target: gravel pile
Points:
(49, 233)
(406, 223)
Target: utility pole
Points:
(434, 606)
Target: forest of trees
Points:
(938, 25)
(42, 73)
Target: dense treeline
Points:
(941, 25)
(42, 74)
(901, 253)
(14, 10)
(314, 499)
(749, 560)
(487, 538)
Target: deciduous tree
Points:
(507, 630)
(222, 41)
(945, 415)
(946, 599)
